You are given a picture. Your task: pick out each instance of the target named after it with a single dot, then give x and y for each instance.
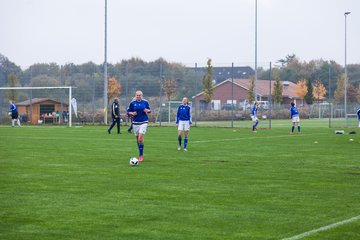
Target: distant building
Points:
(222, 93)
(40, 107)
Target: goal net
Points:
(341, 118)
(38, 105)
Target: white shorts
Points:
(184, 125)
(140, 129)
(254, 118)
(295, 119)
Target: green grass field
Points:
(76, 183)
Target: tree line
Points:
(316, 79)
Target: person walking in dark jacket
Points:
(115, 114)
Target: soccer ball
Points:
(9, 113)
(134, 161)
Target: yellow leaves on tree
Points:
(319, 90)
(301, 88)
(114, 88)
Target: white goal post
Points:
(29, 88)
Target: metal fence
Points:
(88, 83)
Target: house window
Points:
(216, 104)
(203, 105)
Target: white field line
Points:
(253, 137)
(305, 234)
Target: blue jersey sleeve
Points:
(178, 115)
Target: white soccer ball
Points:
(134, 161)
(9, 113)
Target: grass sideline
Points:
(76, 183)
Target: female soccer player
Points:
(13, 111)
(254, 117)
(294, 116)
(139, 109)
(183, 121)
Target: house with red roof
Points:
(239, 89)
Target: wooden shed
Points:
(45, 109)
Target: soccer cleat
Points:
(141, 158)
(185, 149)
(179, 148)
(109, 131)
(299, 132)
(291, 132)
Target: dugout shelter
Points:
(43, 109)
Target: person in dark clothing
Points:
(115, 114)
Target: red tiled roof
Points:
(38, 100)
(262, 87)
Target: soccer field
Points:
(76, 183)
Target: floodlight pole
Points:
(105, 69)
(345, 80)
(255, 92)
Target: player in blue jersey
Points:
(295, 119)
(139, 109)
(183, 121)
(358, 116)
(13, 111)
(254, 117)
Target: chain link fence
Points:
(88, 89)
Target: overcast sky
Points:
(183, 31)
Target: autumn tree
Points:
(251, 96)
(169, 88)
(208, 83)
(319, 90)
(301, 89)
(114, 88)
(339, 91)
(358, 94)
(12, 82)
(309, 97)
(278, 89)
(352, 93)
